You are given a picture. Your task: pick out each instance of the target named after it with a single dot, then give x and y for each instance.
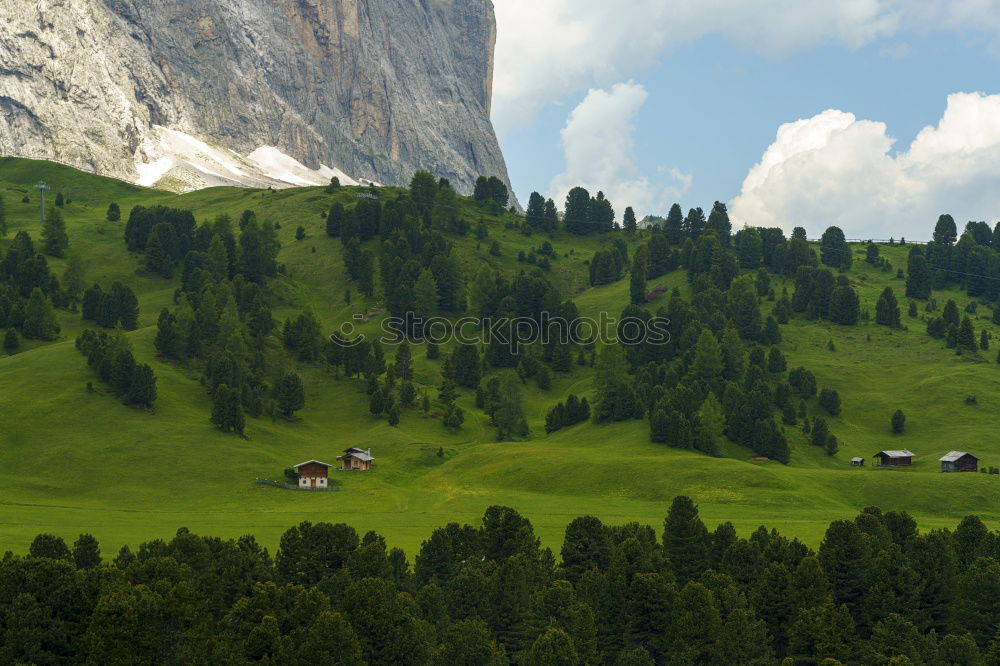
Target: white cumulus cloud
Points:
(599, 153)
(833, 169)
(547, 49)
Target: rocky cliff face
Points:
(253, 92)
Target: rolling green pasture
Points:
(73, 461)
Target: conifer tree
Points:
(39, 318)
(829, 400)
(55, 240)
(114, 213)
(425, 295)
(629, 223)
(776, 361)
(86, 552)
(637, 280)
(918, 275)
(227, 414)
(887, 309)
(10, 341)
(966, 335)
(453, 417)
(466, 365)
(142, 387)
(685, 539)
(898, 421)
(534, 214)
(834, 250)
(334, 220)
(845, 308)
(289, 393)
(707, 363)
(73, 278)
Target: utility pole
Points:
(42, 187)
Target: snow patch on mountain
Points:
(176, 160)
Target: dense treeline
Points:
(876, 591)
(718, 375)
(29, 291)
(223, 320)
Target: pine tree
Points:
(685, 539)
(776, 361)
(39, 318)
(637, 279)
(393, 412)
(290, 394)
(73, 281)
(707, 363)
(86, 552)
(845, 308)
(918, 275)
(114, 213)
(628, 220)
(142, 388)
(829, 400)
(54, 234)
(466, 365)
(834, 250)
(966, 335)
(227, 414)
(534, 214)
(887, 309)
(898, 421)
(425, 295)
(217, 261)
(10, 341)
(453, 417)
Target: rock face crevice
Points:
(376, 89)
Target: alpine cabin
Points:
(359, 459)
(857, 461)
(313, 474)
(895, 458)
(959, 461)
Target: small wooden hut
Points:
(857, 461)
(356, 459)
(959, 461)
(313, 474)
(894, 458)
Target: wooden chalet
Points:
(313, 474)
(857, 461)
(894, 458)
(959, 461)
(359, 459)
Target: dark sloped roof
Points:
(952, 456)
(318, 462)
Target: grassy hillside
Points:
(73, 461)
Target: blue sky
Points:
(711, 107)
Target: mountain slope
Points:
(64, 471)
(148, 91)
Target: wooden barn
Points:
(359, 459)
(895, 458)
(313, 474)
(959, 461)
(857, 461)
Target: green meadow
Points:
(72, 461)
